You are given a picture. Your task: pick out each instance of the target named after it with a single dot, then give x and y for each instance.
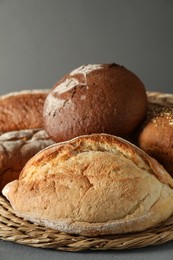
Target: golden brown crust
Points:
(155, 135)
(96, 98)
(22, 110)
(93, 185)
(16, 148)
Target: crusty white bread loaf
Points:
(93, 185)
(22, 110)
(16, 148)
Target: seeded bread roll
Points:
(155, 136)
(22, 110)
(16, 148)
(95, 98)
(93, 185)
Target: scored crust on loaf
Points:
(16, 148)
(95, 98)
(86, 69)
(22, 110)
(93, 185)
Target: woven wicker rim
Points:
(13, 228)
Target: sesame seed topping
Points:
(160, 114)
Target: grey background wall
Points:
(41, 40)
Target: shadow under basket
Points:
(18, 230)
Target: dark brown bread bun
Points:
(95, 99)
(156, 135)
(22, 110)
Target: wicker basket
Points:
(13, 228)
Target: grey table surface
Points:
(13, 251)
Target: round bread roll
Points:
(16, 148)
(95, 99)
(93, 185)
(155, 136)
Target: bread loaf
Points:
(22, 110)
(16, 148)
(155, 136)
(93, 185)
(96, 98)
